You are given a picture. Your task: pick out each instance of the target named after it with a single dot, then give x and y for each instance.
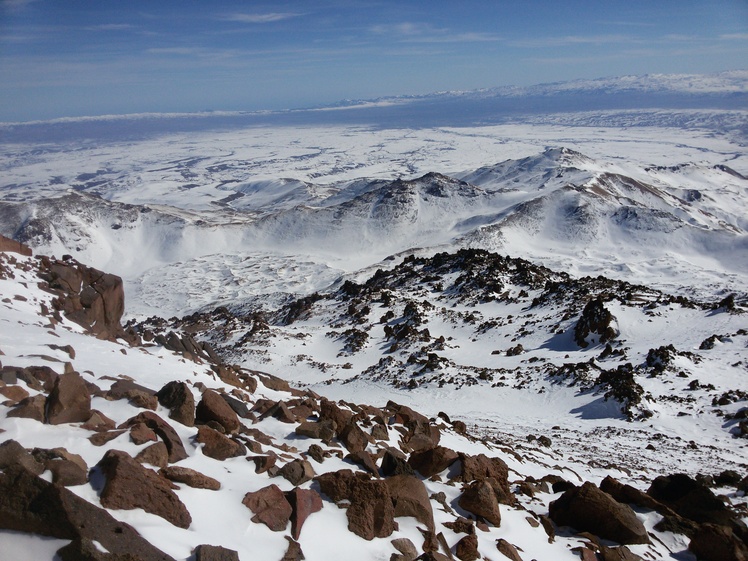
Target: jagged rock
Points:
(337, 484)
(507, 550)
(265, 463)
(217, 445)
(371, 513)
(215, 553)
(270, 507)
(406, 548)
(67, 469)
(493, 470)
(14, 393)
(410, 498)
(712, 542)
(69, 401)
(140, 434)
(66, 516)
(432, 461)
(293, 553)
(467, 548)
(156, 455)
(460, 525)
(316, 453)
(190, 477)
(595, 320)
(353, 438)
(690, 499)
(43, 374)
(239, 407)
(101, 438)
(30, 408)
(631, 495)
(589, 509)
(127, 389)
(212, 407)
(480, 499)
(129, 485)
(339, 418)
(297, 472)
(98, 422)
(304, 503)
(279, 411)
(164, 430)
(364, 460)
(12, 453)
(380, 432)
(178, 398)
(394, 463)
(621, 553)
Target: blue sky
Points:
(70, 58)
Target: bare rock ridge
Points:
(293, 456)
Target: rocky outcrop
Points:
(129, 485)
(596, 324)
(10, 245)
(588, 509)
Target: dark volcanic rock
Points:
(30, 408)
(432, 461)
(394, 463)
(129, 485)
(493, 470)
(690, 499)
(712, 542)
(508, 550)
(213, 407)
(219, 446)
(13, 454)
(480, 499)
(69, 401)
(30, 504)
(270, 507)
(371, 513)
(177, 397)
(595, 320)
(162, 429)
(410, 498)
(215, 553)
(467, 548)
(297, 472)
(588, 509)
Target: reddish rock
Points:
(270, 507)
(588, 509)
(217, 445)
(98, 422)
(480, 499)
(213, 407)
(44, 374)
(293, 553)
(353, 438)
(129, 485)
(140, 434)
(297, 472)
(163, 430)
(69, 401)
(14, 393)
(394, 463)
(508, 550)
(280, 411)
(432, 461)
(364, 460)
(101, 438)
(215, 553)
(494, 470)
(66, 516)
(371, 513)
(690, 499)
(340, 418)
(620, 553)
(712, 542)
(156, 455)
(264, 463)
(410, 498)
(467, 548)
(67, 469)
(13, 454)
(321, 430)
(337, 484)
(190, 477)
(10, 245)
(304, 503)
(30, 408)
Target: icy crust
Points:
(30, 338)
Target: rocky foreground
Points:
(125, 450)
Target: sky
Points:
(76, 57)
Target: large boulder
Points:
(178, 398)
(212, 407)
(30, 504)
(69, 401)
(713, 542)
(217, 445)
(432, 461)
(129, 485)
(588, 509)
(304, 503)
(690, 499)
(410, 498)
(595, 325)
(270, 507)
(492, 469)
(479, 498)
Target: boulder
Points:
(494, 470)
(67, 469)
(178, 398)
(212, 407)
(69, 401)
(13, 454)
(690, 499)
(215, 553)
(321, 430)
(297, 472)
(339, 418)
(140, 433)
(304, 503)
(480, 499)
(432, 461)
(467, 548)
(394, 463)
(190, 477)
(14, 393)
(30, 504)
(371, 513)
(712, 542)
(588, 509)
(410, 498)
(164, 430)
(270, 507)
(353, 438)
(217, 445)
(156, 455)
(129, 485)
(365, 460)
(508, 550)
(293, 552)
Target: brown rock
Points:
(712, 542)
(293, 553)
(98, 422)
(406, 548)
(410, 498)
(215, 553)
(371, 513)
(14, 393)
(163, 430)
(178, 398)
(140, 434)
(507, 550)
(156, 455)
(101, 438)
(467, 548)
(340, 418)
(621, 553)
(589, 509)
(44, 374)
(364, 460)
(304, 503)
(129, 485)
(494, 470)
(321, 430)
(67, 469)
(479, 498)
(30, 408)
(264, 463)
(218, 446)
(432, 461)
(338, 484)
(690, 499)
(297, 472)
(10, 245)
(69, 401)
(280, 411)
(461, 525)
(270, 507)
(394, 463)
(353, 438)
(13, 454)
(190, 477)
(66, 516)
(212, 407)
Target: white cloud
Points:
(259, 18)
